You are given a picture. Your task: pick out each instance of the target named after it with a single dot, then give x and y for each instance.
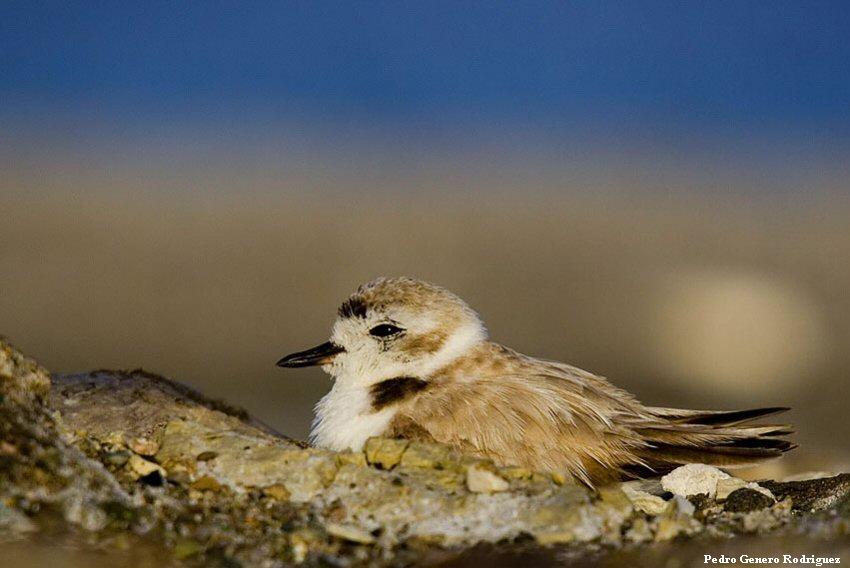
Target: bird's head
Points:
(394, 327)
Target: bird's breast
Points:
(346, 418)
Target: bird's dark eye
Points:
(384, 330)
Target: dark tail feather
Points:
(719, 438)
(709, 417)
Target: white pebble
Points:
(481, 480)
(693, 479)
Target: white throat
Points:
(345, 419)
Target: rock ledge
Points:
(130, 455)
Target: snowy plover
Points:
(411, 359)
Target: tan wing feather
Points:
(517, 410)
(536, 414)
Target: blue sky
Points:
(777, 71)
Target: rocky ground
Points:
(131, 463)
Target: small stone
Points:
(206, 483)
(384, 453)
(693, 479)
(206, 456)
(144, 446)
(515, 472)
(352, 458)
(139, 467)
(745, 500)
(541, 479)
(278, 491)
(643, 501)
(349, 533)
(482, 480)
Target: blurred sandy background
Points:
(665, 203)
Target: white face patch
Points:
(368, 359)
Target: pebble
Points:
(643, 501)
(140, 467)
(693, 479)
(514, 472)
(384, 453)
(745, 500)
(481, 480)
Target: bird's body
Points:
(412, 360)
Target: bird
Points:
(412, 360)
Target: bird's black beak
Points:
(319, 355)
